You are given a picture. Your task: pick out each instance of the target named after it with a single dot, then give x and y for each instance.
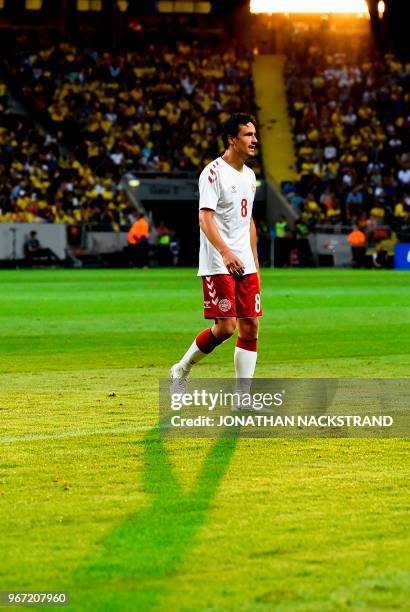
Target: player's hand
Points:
(234, 265)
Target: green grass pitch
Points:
(93, 502)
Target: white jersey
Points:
(230, 194)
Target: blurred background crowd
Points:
(78, 114)
(350, 121)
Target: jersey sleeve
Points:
(209, 189)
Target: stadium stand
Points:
(89, 117)
(92, 115)
(41, 183)
(157, 110)
(350, 125)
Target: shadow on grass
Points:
(141, 557)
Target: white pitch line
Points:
(72, 434)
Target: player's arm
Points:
(254, 243)
(233, 264)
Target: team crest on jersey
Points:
(253, 188)
(224, 305)
(233, 189)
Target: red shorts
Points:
(226, 296)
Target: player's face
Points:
(245, 142)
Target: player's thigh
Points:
(248, 297)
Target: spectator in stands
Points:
(404, 172)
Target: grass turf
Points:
(94, 502)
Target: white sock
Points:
(192, 356)
(245, 362)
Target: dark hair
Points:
(231, 126)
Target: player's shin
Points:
(245, 361)
(204, 343)
(245, 357)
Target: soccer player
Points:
(228, 258)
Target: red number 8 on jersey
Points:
(244, 207)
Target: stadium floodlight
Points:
(305, 7)
(134, 183)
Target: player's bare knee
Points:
(224, 328)
(226, 332)
(248, 328)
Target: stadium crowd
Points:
(92, 116)
(41, 183)
(350, 121)
(155, 110)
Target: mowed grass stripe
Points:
(71, 434)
